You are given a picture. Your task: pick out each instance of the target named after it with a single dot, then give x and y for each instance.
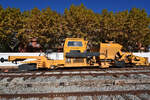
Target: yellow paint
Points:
(109, 53)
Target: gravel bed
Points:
(145, 96)
(45, 84)
(133, 97)
(58, 86)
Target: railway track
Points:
(73, 74)
(95, 95)
(77, 69)
(77, 84)
(79, 72)
(15, 70)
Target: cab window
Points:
(75, 44)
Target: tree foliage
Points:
(129, 28)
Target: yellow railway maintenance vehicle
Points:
(75, 54)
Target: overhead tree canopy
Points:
(129, 28)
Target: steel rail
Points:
(73, 74)
(81, 69)
(67, 94)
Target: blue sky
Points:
(96, 5)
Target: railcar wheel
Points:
(120, 64)
(53, 67)
(27, 67)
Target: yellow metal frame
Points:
(108, 51)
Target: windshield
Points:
(75, 44)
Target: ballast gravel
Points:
(45, 84)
